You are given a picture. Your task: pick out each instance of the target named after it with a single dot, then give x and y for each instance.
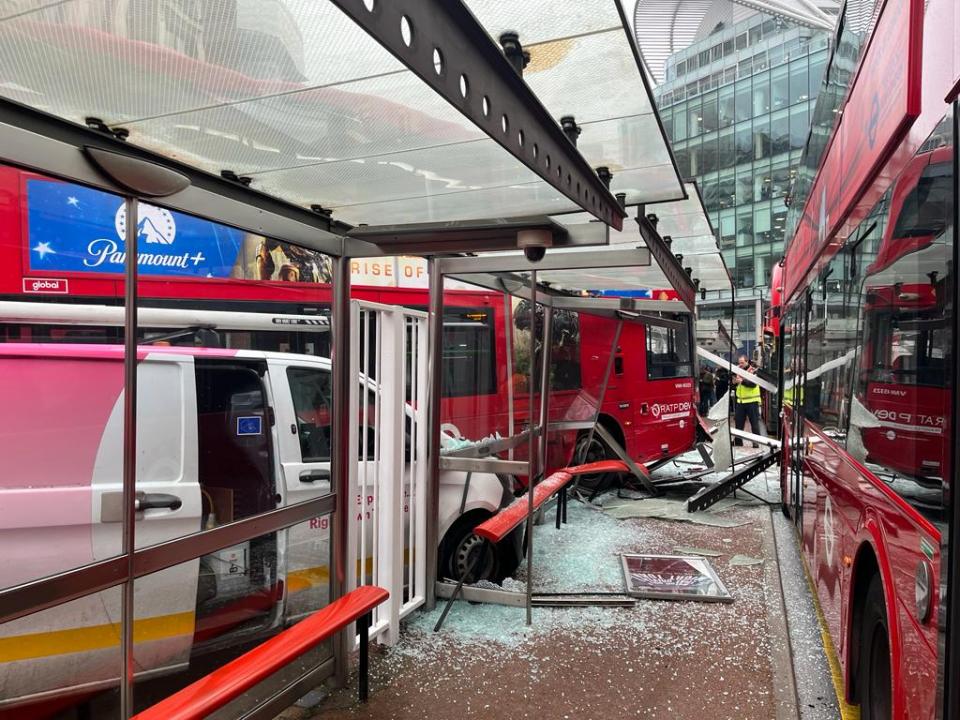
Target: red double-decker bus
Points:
(866, 329)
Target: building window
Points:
(727, 115)
(709, 122)
(780, 132)
(780, 88)
(743, 103)
(761, 94)
(799, 90)
(762, 145)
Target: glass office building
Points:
(737, 107)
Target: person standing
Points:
(748, 400)
(722, 384)
(708, 395)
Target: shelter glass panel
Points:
(64, 660)
(62, 375)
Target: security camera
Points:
(534, 254)
(534, 243)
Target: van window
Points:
(312, 402)
(668, 353)
(234, 436)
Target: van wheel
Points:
(874, 661)
(461, 548)
(593, 450)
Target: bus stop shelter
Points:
(354, 128)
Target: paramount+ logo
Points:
(55, 286)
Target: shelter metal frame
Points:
(502, 272)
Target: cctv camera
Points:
(534, 253)
(534, 243)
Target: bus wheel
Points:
(874, 661)
(593, 450)
(461, 549)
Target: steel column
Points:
(532, 446)
(435, 373)
(341, 452)
(603, 388)
(545, 385)
(508, 351)
(129, 455)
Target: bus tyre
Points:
(461, 549)
(591, 450)
(874, 661)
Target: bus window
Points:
(469, 355)
(901, 404)
(565, 368)
(668, 353)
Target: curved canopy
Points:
(664, 27)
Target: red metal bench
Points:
(215, 690)
(503, 523)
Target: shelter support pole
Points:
(603, 393)
(532, 444)
(128, 605)
(342, 452)
(547, 359)
(435, 374)
(508, 351)
(545, 402)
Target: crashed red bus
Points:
(866, 332)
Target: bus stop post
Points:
(340, 442)
(129, 454)
(545, 397)
(532, 457)
(434, 373)
(508, 352)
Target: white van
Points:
(221, 435)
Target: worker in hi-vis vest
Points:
(748, 400)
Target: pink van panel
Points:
(52, 418)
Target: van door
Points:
(239, 590)
(302, 397)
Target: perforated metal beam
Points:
(444, 44)
(667, 261)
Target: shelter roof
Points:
(349, 106)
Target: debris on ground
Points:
(687, 550)
(673, 509)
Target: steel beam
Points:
(517, 262)
(450, 238)
(449, 50)
(667, 261)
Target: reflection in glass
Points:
(63, 660)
